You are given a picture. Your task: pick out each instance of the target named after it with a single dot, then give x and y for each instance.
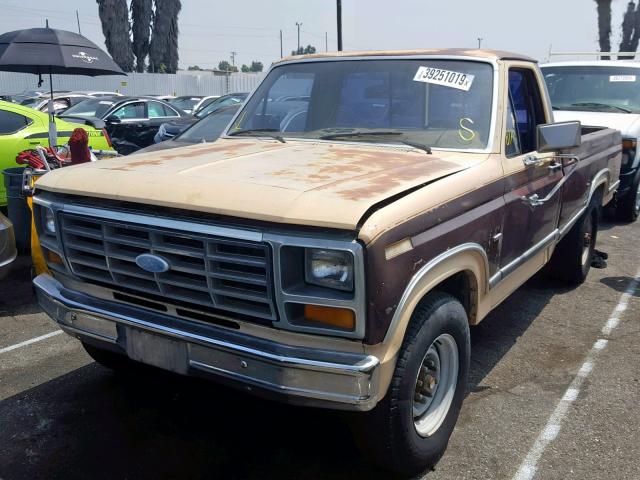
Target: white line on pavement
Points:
(529, 466)
(30, 341)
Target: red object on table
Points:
(79, 146)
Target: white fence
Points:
(136, 83)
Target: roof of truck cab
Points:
(436, 52)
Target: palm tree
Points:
(114, 16)
(604, 26)
(163, 49)
(141, 18)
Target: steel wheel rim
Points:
(435, 385)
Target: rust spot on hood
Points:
(387, 180)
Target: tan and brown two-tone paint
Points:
(422, 218)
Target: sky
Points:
(210, 30)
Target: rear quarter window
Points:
(11, 122)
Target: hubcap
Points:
(637, 204)
(435, 385)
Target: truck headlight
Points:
(49, 221)
(329, 268)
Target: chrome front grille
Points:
(205, 271)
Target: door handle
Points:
(531, 160)
(533, 200)
(554, 167)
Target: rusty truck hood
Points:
(299, 182)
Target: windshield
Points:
(90, 108)
(31, 102)
(209, 128)
(437, 103)
(594, 88)
(185, 103)
(219, 103)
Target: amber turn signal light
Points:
(53, 257)
(331, 316)
(628, 144)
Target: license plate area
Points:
(158, 351)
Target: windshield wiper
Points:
(419, 146)
(259, 132)
(359, 133)
(600, 105)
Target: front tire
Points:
(408, 431)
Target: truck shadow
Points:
(499, 331)
(158, 425)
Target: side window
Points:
(12, 122)
(169, 112)
(527, 106)
(156, 110)
(511, 137)
(131, 111)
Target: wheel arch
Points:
(462, 271)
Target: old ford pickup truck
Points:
(333, 247)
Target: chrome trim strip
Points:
(527, 255)
(567, 226)
(161, 222)
(614, 186)
(465, 247)
(359, 370)
(494, 106)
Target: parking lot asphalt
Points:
(64, 417)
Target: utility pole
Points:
(298, 24)
(339, 18)
(281, 44)
(326, 42)
(233, 58)
(78, 19)
(480, 42)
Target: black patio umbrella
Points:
(48, 51)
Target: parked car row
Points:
(23, 128)
(132, 122)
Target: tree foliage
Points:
(114, 17)
(255, 66)
(164, 38)
(604, 25)
(630, 30)
(152, 30)
(141, 19)
(304, 50)
(227, 67)
(244, 68)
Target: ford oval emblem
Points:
(152, 263)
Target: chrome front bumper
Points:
(305, 376)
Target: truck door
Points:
(532, 204)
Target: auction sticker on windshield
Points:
(446, 78)
(622, 78)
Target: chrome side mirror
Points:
(552, 137)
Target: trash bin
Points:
(17, 208)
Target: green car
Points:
(23, 128)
